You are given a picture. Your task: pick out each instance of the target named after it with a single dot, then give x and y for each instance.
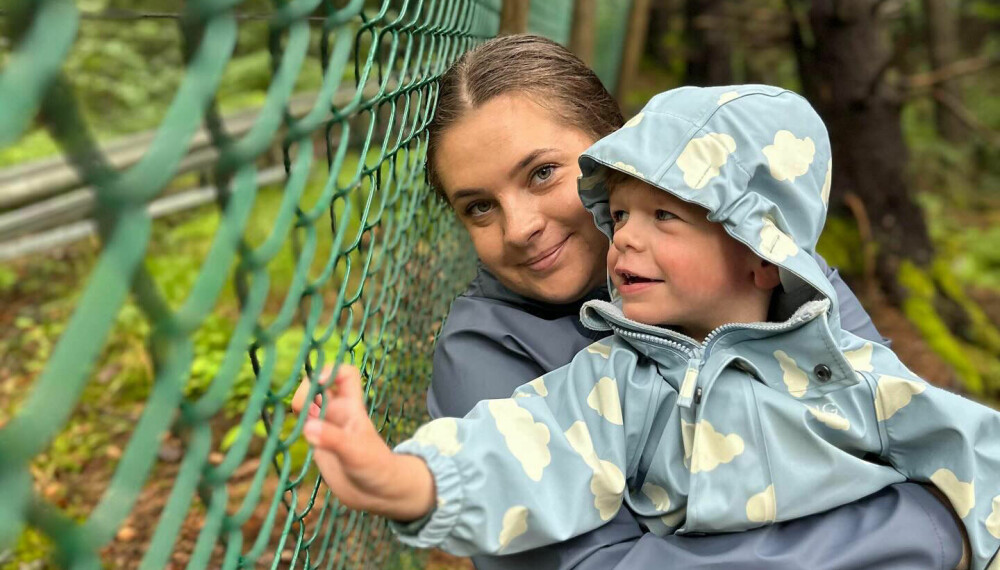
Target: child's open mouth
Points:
(633, 279)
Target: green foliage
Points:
(31, 546)
(919, 309)
(840, 245)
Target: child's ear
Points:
(765, 275)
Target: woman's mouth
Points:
(547, 258)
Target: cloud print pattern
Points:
(762, 423)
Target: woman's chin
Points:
(558, 289)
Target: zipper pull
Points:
(690, 382)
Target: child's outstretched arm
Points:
(354, 460)
(548, 464)
(931, 435)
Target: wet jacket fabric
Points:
(760, 423)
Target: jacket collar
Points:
(486, 285)
(805, 340)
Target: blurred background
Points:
(908, 89)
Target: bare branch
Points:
(957, 69)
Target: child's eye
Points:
(478, 208)
(619, 216)
(543, 173)
(663, 215)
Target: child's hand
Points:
(354, 460)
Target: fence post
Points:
(514, 17)
(581, 38)
(635, 40)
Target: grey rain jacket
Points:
(705, 437)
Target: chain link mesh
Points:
(357, 262)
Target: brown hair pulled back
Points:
(531, 65)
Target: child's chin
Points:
(642, 313)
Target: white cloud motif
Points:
(795, 378)
(538, 385)
(789, 157)
(894, 394)
(712, 448)
(860, 359)
(515, 523)
(687, 438)
(763, 507)
(603, 399)
(961, 495)
(628, 168)
(601, 349)
(993, 521)
(675, 518)
(702, 158)
(827, 183)
(658, 495)
(608, 482)
(634, 121)
(441, 433)
(833, 421)
(526, 439)
(775, 244)
(727, 97)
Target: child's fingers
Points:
(301, 393)
(349, 385)
(324, 435)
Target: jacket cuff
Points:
(435, 527)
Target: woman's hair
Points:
(530, 65)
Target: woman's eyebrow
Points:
(528, 159)
(465, 193)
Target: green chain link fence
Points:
(347, 258)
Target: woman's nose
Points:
(524, 221)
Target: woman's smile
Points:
(547, 258)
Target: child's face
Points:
(674, 267)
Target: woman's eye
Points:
(478, 208)
(619, 216)
(543, 173)
(663, 215)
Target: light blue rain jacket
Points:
(760, 422)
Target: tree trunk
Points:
(635, 41)
(842, 65)
(843, 71)
(581, 38)
(708, 42)
(514, 16)
(942, 45)
(660, 14)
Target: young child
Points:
(728, 396)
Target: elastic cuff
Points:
(434, 528)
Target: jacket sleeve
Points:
(932, 435)
(546, 465)
(853, 317)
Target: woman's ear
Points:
(765, 275)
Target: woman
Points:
(512, 117)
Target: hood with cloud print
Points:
(756, 157)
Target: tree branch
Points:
(915, 83)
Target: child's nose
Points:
(626, 237)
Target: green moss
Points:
(919, 309)
(981, 331)
(31, 547)
(840, 245)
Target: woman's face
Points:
(509, 169)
